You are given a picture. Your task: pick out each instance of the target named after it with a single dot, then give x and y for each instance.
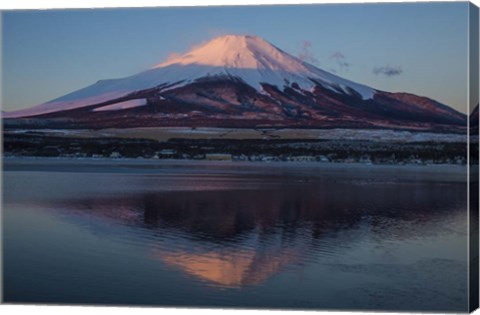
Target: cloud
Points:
(215, 32)
(337, 56)
(340, 59)
(306, 54)
(173, 56)
(388, 71)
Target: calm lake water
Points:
(279, 235)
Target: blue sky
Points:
(419, 48)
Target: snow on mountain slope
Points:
(246, 58)
(122, 105)
(256, 61)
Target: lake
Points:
(244, 235)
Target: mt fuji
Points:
(242, 81)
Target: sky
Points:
(419, 48)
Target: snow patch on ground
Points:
(377, 135)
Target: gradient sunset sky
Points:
(419, 48)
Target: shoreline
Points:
(16, 163)
(297, 171)
(156, 161)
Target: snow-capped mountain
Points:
(242, 81)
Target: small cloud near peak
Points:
(306, 54)
(340, 59)
(388, 71)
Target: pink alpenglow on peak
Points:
(238, 51)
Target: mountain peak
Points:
(238, 51)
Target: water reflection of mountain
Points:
(224, 216)
(243, 237)
(231, 268)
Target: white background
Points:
(76, 310)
